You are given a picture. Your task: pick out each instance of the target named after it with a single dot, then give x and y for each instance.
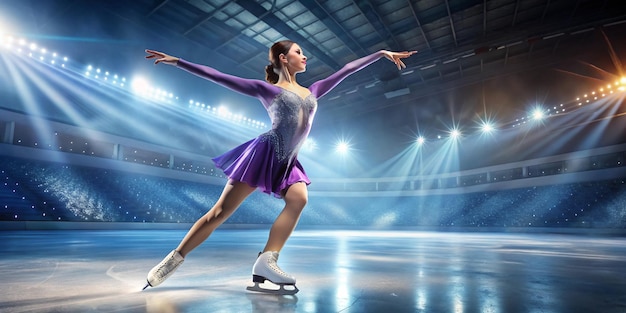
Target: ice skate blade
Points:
(281, 292)
(146, 286)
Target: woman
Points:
(268, 162)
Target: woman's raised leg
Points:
(233, 195)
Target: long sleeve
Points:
(322, 87)
(251, 87)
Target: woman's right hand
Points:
(396, 57)
(161, 57)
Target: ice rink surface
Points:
(337, 271)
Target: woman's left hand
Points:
(396, 57)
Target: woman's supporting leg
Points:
(265, 267)
(295, 198)
(234, 193)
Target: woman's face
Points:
(295, 59)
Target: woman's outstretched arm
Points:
(322, 87)
(251, 87)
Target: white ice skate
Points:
(265, 268)
(165, 269)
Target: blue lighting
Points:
(145, 89)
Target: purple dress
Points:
(269, 162)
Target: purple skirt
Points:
(256, 163)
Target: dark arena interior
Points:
(487, 176)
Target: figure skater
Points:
(268, 162)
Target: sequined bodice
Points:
(291, 117)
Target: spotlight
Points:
(420, 140)
(455, 133)
(6, 41)
(487, 127)
(222, 111)
(538, 114)
(342, 147)
(309, 145)
(139, 85)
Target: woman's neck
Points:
(286, 82)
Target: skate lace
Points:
(164, 268)
(272, 263)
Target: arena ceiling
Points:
(476, 57)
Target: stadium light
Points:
(309, 145)
(455, 134)
(222, 111)
(487, 128)
(342, 147)
(420, 140)
(538, 114)
(7, 41)
(139, 85)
